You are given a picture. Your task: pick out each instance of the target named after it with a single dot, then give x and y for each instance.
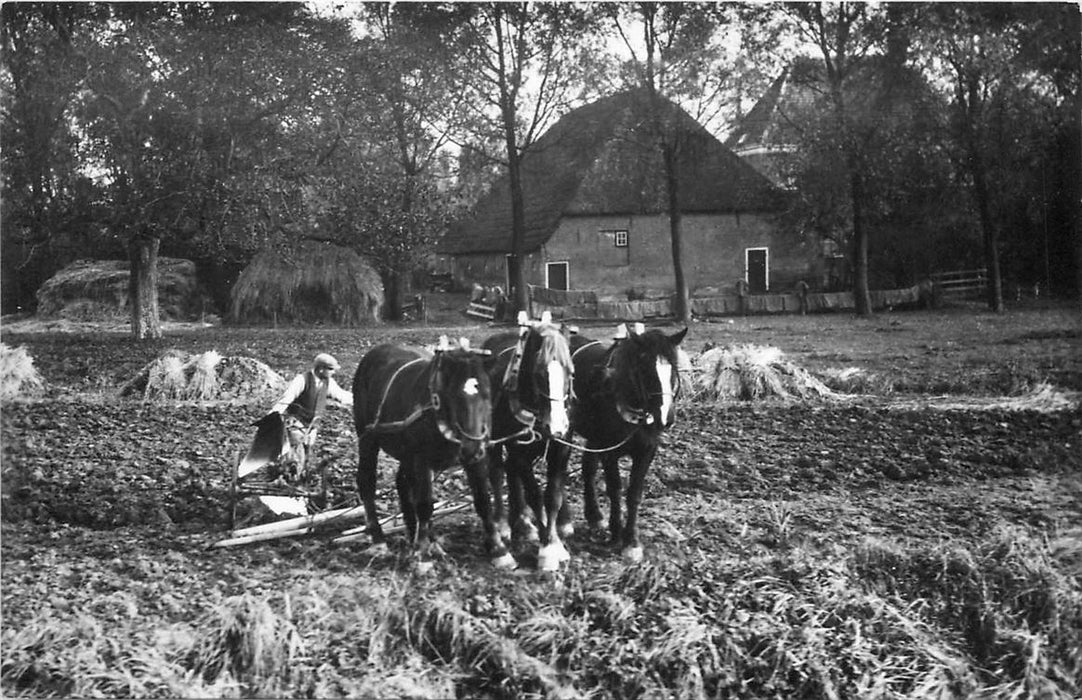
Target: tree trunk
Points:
(861, 295)
(143, 287)
(682, 308)
(392, 296)
(989, 235)
(519, 294)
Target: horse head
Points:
(645, 374)
(546, 371)
(462, 397)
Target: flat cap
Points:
(325, 360)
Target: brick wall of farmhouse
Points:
(714, 252)
(490, 269)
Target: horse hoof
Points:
(633, 555)
(505, 562)
(551, 556)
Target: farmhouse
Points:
(596, 212)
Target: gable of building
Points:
(600, 159)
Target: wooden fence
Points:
(961, 284)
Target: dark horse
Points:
(624, 401)
(430, 412)
(531, 375)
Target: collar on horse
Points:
(522, 413)
(445, 428)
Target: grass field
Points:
(917, 534)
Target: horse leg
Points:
(611, 466)
(589, 489)
(497, 478)
(479, 483)
(423, 505)
(404, 485)
(367, 474)
(554, 552)
(640, 463)
(525, 495)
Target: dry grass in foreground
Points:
(999, 620)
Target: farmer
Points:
(301, 405)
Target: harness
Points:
(634, 417)
(443, 425)
(520, 412)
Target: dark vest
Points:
(311, 401)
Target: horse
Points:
(531, 375)
(624, 402)
(429, 411)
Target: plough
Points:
(327, 521)
(268, 447)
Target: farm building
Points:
(595, 210)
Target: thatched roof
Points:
(800, 94)
(314, 283)
(597, 160)
(96, 289)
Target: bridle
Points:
(512, 384)
(450, 427)
(632, 415)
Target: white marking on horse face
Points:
(470, 387)
(664, 375)
(558, 419)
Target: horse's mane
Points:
(552, 349)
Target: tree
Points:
(1013, 74)
(45, 197)
(400, 72)
(843, 34)
(521, 67)
(677, 58)
(180, 105)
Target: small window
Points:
(619, 239)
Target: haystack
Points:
(750, 372)
(204, 377)
(314, 283)
(91, 290)
(18, 376)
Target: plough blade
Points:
(268, 445)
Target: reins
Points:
(632, 416)
(451, 433)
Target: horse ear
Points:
(675, 338)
